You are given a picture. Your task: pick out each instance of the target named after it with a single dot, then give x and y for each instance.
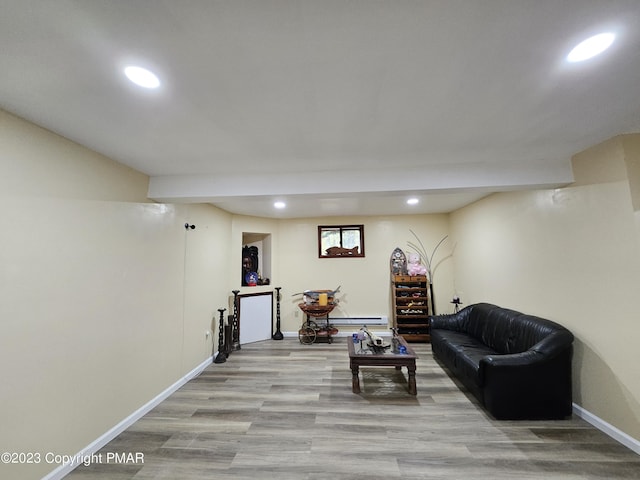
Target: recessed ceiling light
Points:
(591, 47)
(413, 201)
(279, 204)
(142, 77)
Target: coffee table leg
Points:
(412, 380)
(355, 379)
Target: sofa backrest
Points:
(508, 331)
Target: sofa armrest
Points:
(513, 360)
(530, 384)
(532, 365)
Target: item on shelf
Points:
(251, 279)
(414, 266)
(398, 262)
(313, 297)
(249, 266)
(323, 300)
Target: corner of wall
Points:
(631, 151)
(602, 163)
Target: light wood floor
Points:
(281, 410)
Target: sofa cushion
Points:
(502, 331)
(461, 352)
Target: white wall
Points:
(105, 301)
(571, 255)
(365, 282)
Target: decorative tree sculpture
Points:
(428, 264)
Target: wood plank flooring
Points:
(282, 410)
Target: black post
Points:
(222, 354)
(433, 302)
(278, 335)
(235, 331)
(228, 334)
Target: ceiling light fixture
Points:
(591, 47)
(413, 201)
(142, 77)
(279, 205)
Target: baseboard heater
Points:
(359, 320)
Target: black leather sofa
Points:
(518, 366)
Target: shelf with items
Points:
(410, 296)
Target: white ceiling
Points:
(338, 107)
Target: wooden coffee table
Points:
(359, 359)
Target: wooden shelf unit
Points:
(410, 296)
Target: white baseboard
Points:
(615, 433)
(359, 321)
(101, 441)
